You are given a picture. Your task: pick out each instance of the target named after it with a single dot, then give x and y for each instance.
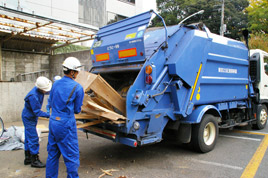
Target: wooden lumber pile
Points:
(100, 101)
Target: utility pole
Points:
(222, 19)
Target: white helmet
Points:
(57, 77)
(43, 83)
(71, 63)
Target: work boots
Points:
(27, 159)
(36, 162)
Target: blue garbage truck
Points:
(182, 81)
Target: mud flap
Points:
(184, 133)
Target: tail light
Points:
(149, 79)
(150, 74)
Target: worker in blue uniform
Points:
(31, 112)
(66, 99)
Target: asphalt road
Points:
(235, 155)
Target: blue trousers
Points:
(31, 142)
(62, 140)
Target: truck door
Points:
(263, 85)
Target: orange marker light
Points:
(127, 53)
(102, 57)
(148, 69)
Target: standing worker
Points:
(66, 99)
(30, 114)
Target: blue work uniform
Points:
(30, 114)
(62, 138)
(48, 106)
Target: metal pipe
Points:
(163, 21)
(72, 42)
(23, 51)
(162, 92)
(160, 77)
(222, 19)
(199, 12)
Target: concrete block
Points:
(12, 99)
(44, 66)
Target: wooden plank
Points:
(85, 79)
(85, 104)
(84, 116)
(103, 114)
(105, 91)
(89, 124)
(43, 118)
(101, 103)
(110, 115)
(107, 113)
(107, 133)
(100, 87)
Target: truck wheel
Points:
(205, 134)
(261, 118)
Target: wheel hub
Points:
(263, 116)
(209, 134)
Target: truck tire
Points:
(261, 118)
(205, 134)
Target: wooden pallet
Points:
(98, 105)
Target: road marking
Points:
(218, 164)
(251, 132)
(245, 138)
(255, 161)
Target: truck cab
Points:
(259, 73)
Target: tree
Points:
(258, 41)
(258, 15)
(173, 11)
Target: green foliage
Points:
(70, 48)
(259, 41)
(173, 11)
(258, 15)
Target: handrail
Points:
(163, 21)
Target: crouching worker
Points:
(66, 99)
(30, 114)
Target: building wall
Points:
(12, 99)
(57, 60)
(92, 12)
(66, 10)
(122, 8)
(12, 93)
(15, 63)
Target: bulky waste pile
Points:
(100, 103)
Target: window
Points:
(265, 64)
(130, 1)
(112, 18)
